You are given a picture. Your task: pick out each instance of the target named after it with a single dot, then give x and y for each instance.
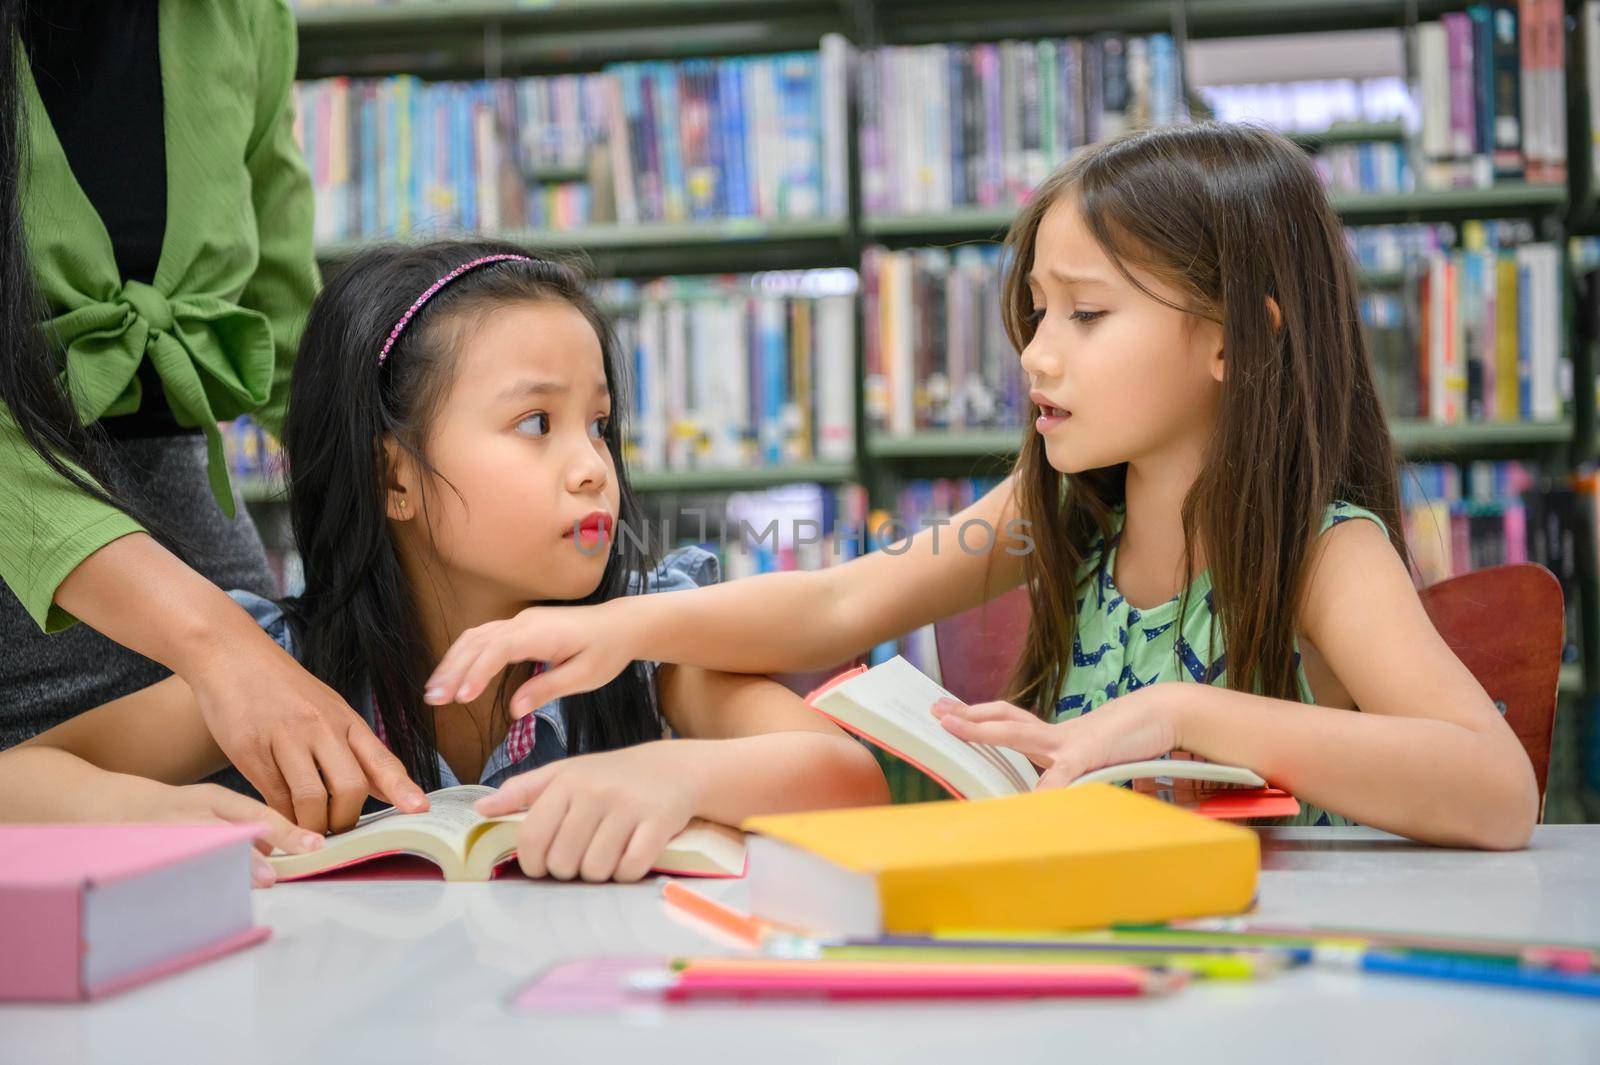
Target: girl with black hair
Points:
(455, 455)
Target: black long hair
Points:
(32, 395)
(357, 622)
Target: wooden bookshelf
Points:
(1350, 133)
(744, 478)
(936, 21)
(1417, 439)
(270, 490)
(1510, 199)
(1414, 439)
(730, 245)
(495, 38)
(1507, 199)
(479, 38)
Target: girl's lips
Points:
(592, 528)
(1050, 418)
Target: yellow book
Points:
(1507, 381)
(1080, 857)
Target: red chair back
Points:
(979, 648)
(1506, 624)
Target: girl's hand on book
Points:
(580, 648)
(603, 816)
(1136, 726)
(212, 802)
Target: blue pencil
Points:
(1464, 970)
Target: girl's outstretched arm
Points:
(158, 734)
(1425, 755)
(773, 623)
(133, 760)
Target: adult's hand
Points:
(309, 754)
(312, 757)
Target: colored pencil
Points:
(1210, 963)
(1564, 957)
(742, 926)
(917, 983)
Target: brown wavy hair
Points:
(1228, 216)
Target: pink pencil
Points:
(690, 985)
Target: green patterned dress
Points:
(1119, 648)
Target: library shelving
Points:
(487, 39)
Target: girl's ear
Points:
(1218, 365)
(400, 497)
(1215, 363)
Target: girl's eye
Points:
(536, 424)
(599, 426)
(1036, 315)
(1087, 316)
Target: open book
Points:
(891, 706)
(467, 846)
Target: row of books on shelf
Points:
(739, 371)
(1365, 168)
(945, 126)
(1492, 83)
(1478, 337)
(941, 127)
(936, 354)
(1480, 514)
(1391, 249)
(758, 137)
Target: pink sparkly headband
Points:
(405, 319)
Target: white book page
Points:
(449, 817)
(898, 693)
(1175, 769)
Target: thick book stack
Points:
(1481, 514)
(945, 126)
(937, 356)
(730, 372)
(1492, 84)
(758, 137)
(1477, 335)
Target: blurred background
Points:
(793, 208)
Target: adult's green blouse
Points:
(220, 321)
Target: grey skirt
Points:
(45, 680)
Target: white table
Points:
(391, 972)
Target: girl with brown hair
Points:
(1212, 543)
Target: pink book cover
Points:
(1458, 33)
(45, 872)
